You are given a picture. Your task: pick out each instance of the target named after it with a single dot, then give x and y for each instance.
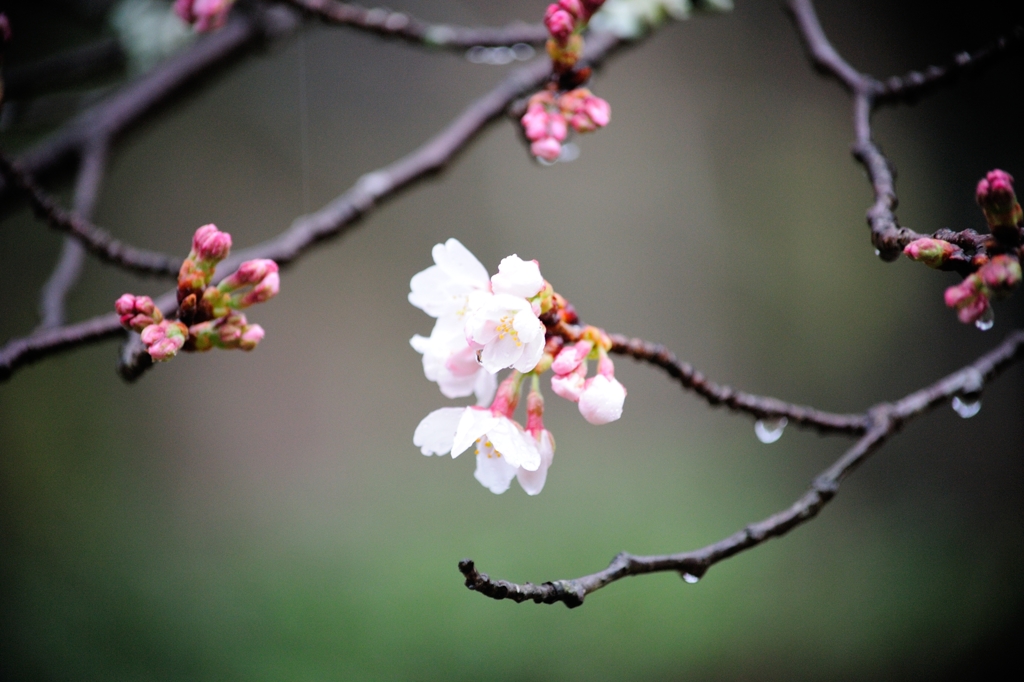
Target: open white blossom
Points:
(455, 429)
(445, 288)
(508, 333)
(449, 361)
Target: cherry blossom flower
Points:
(449, 361)
(517, 277)
(447, 287)
(454, 429)
(507, 332)
(602, 399)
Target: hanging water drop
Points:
(570, 152)
(967, 407)
(987, 319)
(690, 578)
(770, 430)
(878, 252)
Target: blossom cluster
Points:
(208, 316)
(549, 116)
(203, 15)
(563, 104)
(486, 324)
(998, 271)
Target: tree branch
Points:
(389, 23)
(338, 215)
(885, 420)
(97, 240)
(888, 236)
(72, 257)
(760, 407)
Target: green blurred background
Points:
(265, 516)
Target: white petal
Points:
(435, 434)
(459, 263)
(421, 344)
(533, 481)
(532, 353)
(527, 325)
(474, 423)
(428, 290)
(514, 444)
(494, 472)
(517, 277)
(485, 387)
(602, 400)
(500, 353)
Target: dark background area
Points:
(265, 515)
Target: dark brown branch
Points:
(913, 85)
(66, 69)
(884, 420)
(888, 236)
(341, 213)
(97, 240)
(393, 24)
(760, 407)
(69, 267)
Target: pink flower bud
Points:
(547, 148)
(570, 386)
(557, 127)
(586, 111)
(570, 357)
(251, 336)
(1001, 274)
(559, 22)
(969, 298)
(931, 252)
(210, 244)
(535, 122)
(534, 412)
(507, 397)
(204, 15)
(602, 399)
(249, 272)
(165, 339)
(137, 312)
(573, 7)
(267, 289)
(998, 202)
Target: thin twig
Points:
(69, 267)
(393, 24)
(885, 420)
(760, 407)
(97, 240)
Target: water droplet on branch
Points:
(770, 430)
(690, 578)
(966, 407)
(987, 320)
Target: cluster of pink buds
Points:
(600, 398)
(995, 276)
(563, 104)
(516, 320)
(993, 280)
(208, 315)
(203, 15)
(549, 116)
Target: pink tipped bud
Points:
(210, 244)
(547, 148)
(999, 203)
(251, 336)
(264, 291)
(164, 340)
(569, 386)
(250, 272)
(535, 122)
(507, 396)
(204, 15)
(570, 357)
(969, 298)
(573, 7)
(602, 400)
(559, 22)
(605, 366)
(931, 252)
(586, 111)
(1001, 275)
(137, 312)
(557, 127)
